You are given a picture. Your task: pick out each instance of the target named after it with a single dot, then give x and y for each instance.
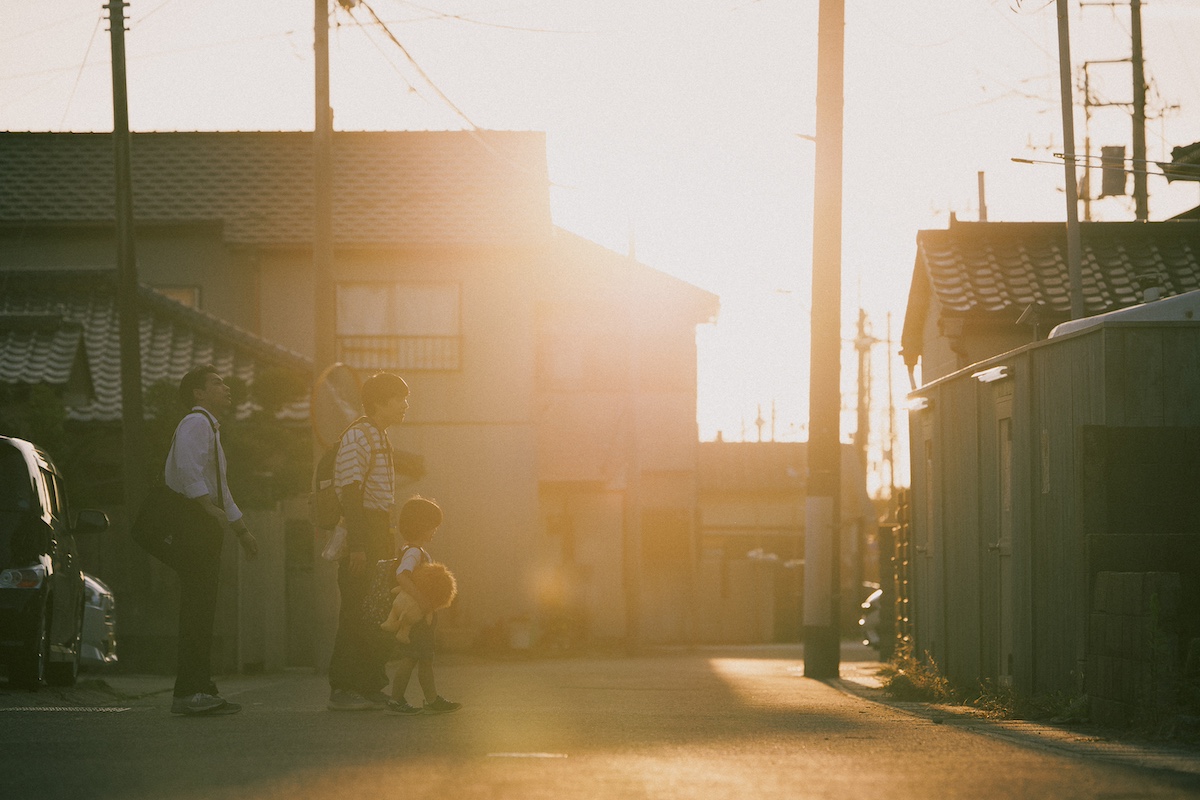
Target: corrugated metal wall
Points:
(1001, 569)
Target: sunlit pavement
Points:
(676, 723)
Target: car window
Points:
(58, 492)
(16, 489)
(51, 496)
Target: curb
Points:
(1080, 741)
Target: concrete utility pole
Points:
(863, 343)
(324, 289)
(1074, 248)
(128, 306)
(1141, 197)
(822, 572)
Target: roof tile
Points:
(390, 187)
(44, 317)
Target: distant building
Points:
(752, 506)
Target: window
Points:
(399, 325)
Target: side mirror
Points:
(90, 520)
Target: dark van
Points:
(41, 586)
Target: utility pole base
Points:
(822, 656)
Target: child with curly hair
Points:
(419, 520)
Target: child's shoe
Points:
(402, 707)
(440, 705)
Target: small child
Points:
(419, 521)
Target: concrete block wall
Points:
(1133, 645)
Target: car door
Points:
(66, 583)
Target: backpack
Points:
(324, 505)
(377, 602)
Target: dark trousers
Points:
(198, 605)
(360, 649)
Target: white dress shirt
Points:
(191, 469)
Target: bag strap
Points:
(425, 558)
(216, 456)
(387, 453)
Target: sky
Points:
(676, 125)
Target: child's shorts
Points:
(420, 642)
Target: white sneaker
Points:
(199, 703)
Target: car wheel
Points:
(28, 669)
(64, 673)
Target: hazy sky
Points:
(676, 119)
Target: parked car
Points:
(99, 623)
(42, 590)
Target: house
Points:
(1050, 535)
(554, 393)
(983, 288)
(59, 331)
(752, 509)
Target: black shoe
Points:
(440, 705)
(402, 707)
(225, 710)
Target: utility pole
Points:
(889, 454)
(128, 307)
(324, 289)
(631, 522)
(822, 524)
(1141, 198)
(980, 180)
(863, 343)
(1074, 247)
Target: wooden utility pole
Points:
(1074, 248)
(324, 289)
(822, 572)
(1141, 197)
(128, 307)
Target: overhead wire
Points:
(441, 15)
(473, 130)
(78, 75)
(413, 62)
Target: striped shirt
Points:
(365, 456)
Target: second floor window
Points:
(402, 326)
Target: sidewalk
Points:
(1078, 739)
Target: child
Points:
(419, 520)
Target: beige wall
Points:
(492, 439)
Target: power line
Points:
(71, 97)
(424, 76)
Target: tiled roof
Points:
(46, 317)
(390, 187)
(998, 269)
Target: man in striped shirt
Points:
(365, 479)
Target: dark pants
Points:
(198, 604)
(360, 649)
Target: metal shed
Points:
(1037, 470)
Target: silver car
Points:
(99, 645)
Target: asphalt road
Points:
(740, 723)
